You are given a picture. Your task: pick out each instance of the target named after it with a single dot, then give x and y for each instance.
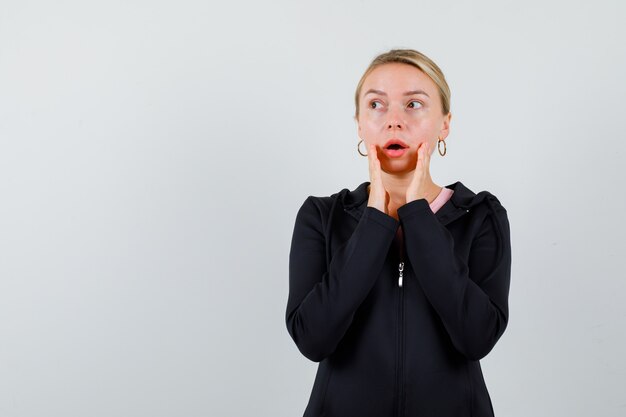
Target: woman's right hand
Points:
(378, 196)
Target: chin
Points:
(406, 162)
(398, 165)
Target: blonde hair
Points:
(413, 58)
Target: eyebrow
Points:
(408, 93)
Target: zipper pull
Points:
(400, 269)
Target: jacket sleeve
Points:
(471, 299)
(324, 298)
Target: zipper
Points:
(401, 256)
(400, 373)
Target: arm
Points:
(322, 301)
(472, 299)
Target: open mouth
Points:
(395, 144)
(395, 150)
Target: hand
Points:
(421, 175)
(379, 197)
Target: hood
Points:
(462, 200)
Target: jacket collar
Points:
(355, 201)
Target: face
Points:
(398, 101)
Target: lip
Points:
(395, 153)
(395, 141)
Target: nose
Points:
(394, 121)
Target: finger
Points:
(374, 157)
(420, 155)
(370, 160)
(375, 168)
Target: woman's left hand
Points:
(421, 175)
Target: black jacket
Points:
(386, 349)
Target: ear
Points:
(445, 127)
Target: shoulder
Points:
(346, 197)
(466, 197)
(487, 209)
(317, 205)
(315, 208)
(495, 219)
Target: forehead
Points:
(396, 78)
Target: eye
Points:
(373, 104)
(415, 106)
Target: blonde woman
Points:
(400, 286)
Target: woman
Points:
(399, 287)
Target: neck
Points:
(397, 184)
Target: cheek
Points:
(368, 127)
(422, 123)
(370, 120)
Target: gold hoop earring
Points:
(358, 148)
(439, 147)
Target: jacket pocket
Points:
(470, 386)
(439, 394)
(315, 406)
(324, 391)
(481, 401)
(358, 393)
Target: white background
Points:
(153, 155)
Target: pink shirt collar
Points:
(444, 195)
